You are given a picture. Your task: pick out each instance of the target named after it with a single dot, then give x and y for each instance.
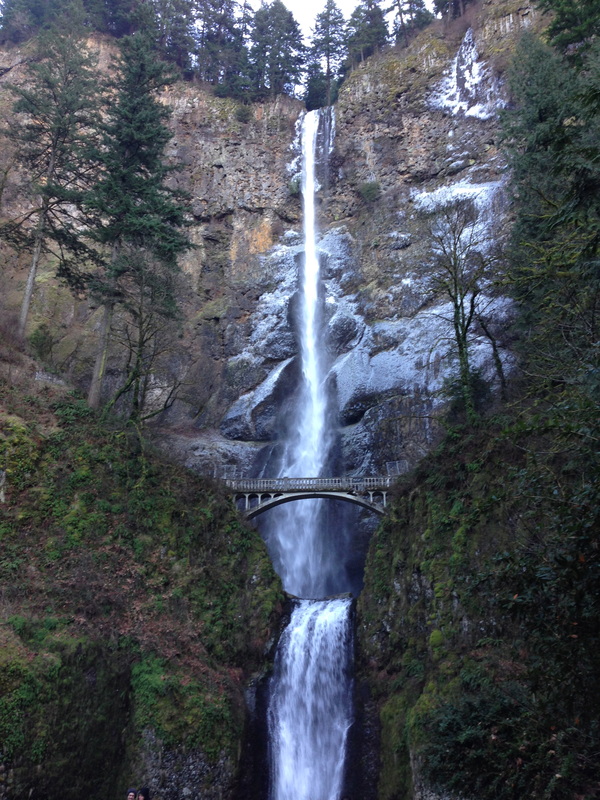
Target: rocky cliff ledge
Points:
(413, 127)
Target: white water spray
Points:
(297, 540)
(308, 712)
(310, 707)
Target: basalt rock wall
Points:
(414, 127)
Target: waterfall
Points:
(310, 706)
(308, 712)
(295, 534)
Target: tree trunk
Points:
(465, 380)
(495, 356)
(35, 260)
(95, 391)
(402, 23)
(461, 332)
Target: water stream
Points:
(310, 705)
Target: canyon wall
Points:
(414, 127)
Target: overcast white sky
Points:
(305, 11)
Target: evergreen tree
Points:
(573, 23)
(367, 31)
(410, 17)
(535, 132)
(235, 79)
(58, 104)
(131, 209)
(318, 91)
(118, 16)
(277, 54)
(552, 133)
(328, 48)
(22, 19)
(217, 38)
(450, 9)
(174, 26)
(16, 22)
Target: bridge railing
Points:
(347, 484)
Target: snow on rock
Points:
(469, 87)
(253, 416)
(481, 193)
(488, 199)
(407, 355)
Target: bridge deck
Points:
(349, 484)
(260, 494)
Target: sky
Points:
(305, 11)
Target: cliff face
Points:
(136, 609)
(412, 127)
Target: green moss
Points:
(19, 452)
(63, 707)
(477, 607)
(179, 710)
(395, 776)
(214, 309)
(102, 543)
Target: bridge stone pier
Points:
(258, 495)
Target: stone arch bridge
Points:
(255, 496)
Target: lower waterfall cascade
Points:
(310, 698)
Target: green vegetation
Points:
(483, 588)
(133, 217)
(492, 642)
(135, 601)
(55, 112)
(369, 191)
(99, 200)
(244, 53)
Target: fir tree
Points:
(410, 17)
(22, 19)
(131, 209)
(217, 38)
(327, 48)
(450, 9)
(58, 104)
(317, 91)
(367, 31)
(574, 23)
(277, 54)
(175, 33)
(552, 132)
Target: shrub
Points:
(42, 342)
(243, 114)
(369, 191)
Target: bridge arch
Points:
(276, 500)
(260, 494)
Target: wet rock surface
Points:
(421, 125)
(411, 122)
